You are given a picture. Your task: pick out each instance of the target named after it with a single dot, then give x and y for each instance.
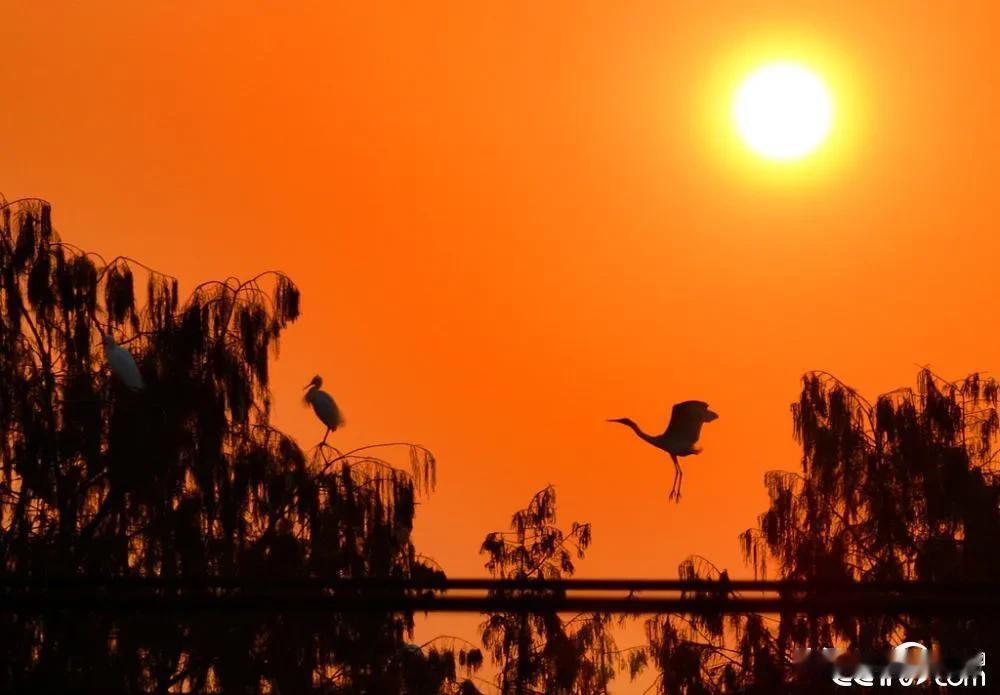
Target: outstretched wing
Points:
(686, 420)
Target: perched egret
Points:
(122, 364)
(680, 436)
(324, 406)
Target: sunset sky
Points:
(511, 221)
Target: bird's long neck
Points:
(635, 428)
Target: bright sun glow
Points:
(783, 111)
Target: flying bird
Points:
(680, 437)
(324, 406)
(122, 364)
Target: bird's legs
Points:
(675, 491)
(325, 436)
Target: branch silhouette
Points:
(183, 478)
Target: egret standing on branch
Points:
(680, 436)
(324, 406)
(122, 364)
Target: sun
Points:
(783, 111)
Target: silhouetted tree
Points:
(541, 652)
(184, 479)
(710, 654)
(904, 488)
(187, 479)
(900, 489)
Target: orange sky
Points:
(510, 222)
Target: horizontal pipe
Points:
(35, 602)
(486, 584)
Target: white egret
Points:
(122, 364)
(680, 436)
(324, 406)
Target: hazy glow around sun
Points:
(783, 111)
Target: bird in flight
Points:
(324, 406)
(679, 438)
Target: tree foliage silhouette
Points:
(900, 489)
(904, 488)
(706, 654)
(541, 652)
(185, 479)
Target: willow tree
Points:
(186, 478)
(902, 488)
(706, 653)
(541, 651)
